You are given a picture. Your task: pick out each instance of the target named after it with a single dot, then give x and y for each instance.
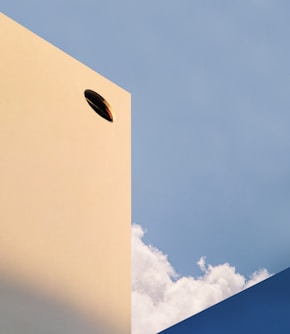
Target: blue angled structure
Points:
(262, 308)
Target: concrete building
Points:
(65, 206)
(263, 308)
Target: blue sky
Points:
(210, 87)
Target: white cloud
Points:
(160, 298)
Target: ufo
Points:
(99, 105)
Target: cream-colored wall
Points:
(64, 179)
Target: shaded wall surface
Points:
(263, 308)
(65, 206)
(23, 311)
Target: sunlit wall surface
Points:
(263, 308)
(65, 191)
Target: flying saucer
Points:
(99, 105)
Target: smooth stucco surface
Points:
(65, 207)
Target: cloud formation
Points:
(160, 298)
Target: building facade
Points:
(65, 201)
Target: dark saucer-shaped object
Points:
(99, 104)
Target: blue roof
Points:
(263, 308)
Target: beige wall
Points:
(64, 180)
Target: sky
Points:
(162, 298)
(210, 87)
